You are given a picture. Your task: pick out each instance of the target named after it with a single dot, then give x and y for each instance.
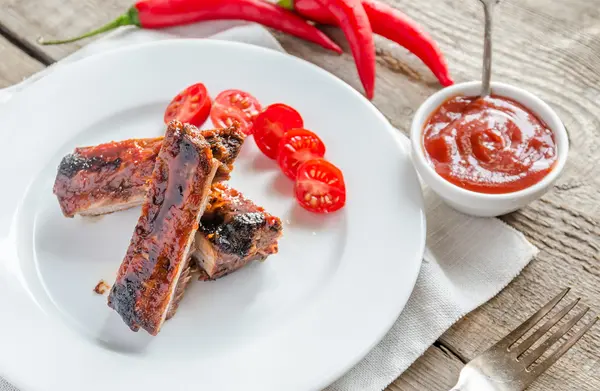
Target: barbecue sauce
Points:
(489, 145)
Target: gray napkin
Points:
(468, 260)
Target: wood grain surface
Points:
(551, 47)
(15, 64)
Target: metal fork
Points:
(506, 367)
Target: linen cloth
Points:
(467, 261)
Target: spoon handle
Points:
(488, 8)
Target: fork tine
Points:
(537, 352)
(536, 371)
(539, 333)
(517, 333)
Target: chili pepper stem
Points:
(130, 18)
(287, 4)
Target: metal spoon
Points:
(488, 8)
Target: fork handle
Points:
(471, 379)
(462, 384)
(473, 387)
(463, 387)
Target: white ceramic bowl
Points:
(481, 204)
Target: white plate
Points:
(295, 322)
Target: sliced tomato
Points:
(271, 124)
(235, 104)
(223, 117)
(240, 100)
(191, 105)
(320, 186)
(296, 147)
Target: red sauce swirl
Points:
(489, 145)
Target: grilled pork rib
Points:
(114, 176)
(147, 281)
(233, 231)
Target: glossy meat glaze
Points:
(114, 176)
(233, 232)
(178, 192)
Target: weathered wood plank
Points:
(550, 47)
(56, 18)
(419, 377)
(14, 64)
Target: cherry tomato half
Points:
(236, 105)
(191, 105)
(320, 186)
(271, 124)
(223, 117)
(296, 147)
(240, 100)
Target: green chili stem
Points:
(130, 18)
(287, 4)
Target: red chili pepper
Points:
(389, 23)
(354, 22)
(153, 14)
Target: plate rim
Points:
(400, 138)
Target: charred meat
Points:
(114, 176)
(233, 232)
(179, 188)
(101, 287)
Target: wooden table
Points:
(551, 47)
